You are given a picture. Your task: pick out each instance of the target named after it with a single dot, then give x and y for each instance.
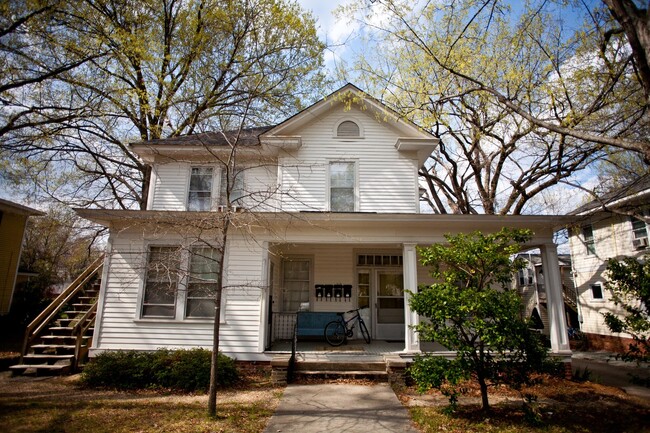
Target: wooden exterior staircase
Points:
(57, 341)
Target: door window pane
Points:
(296, 283)
(390, 299)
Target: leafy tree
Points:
(56, 248)
(164, 68)
(520, 100)
(628, 281)
(471, 311)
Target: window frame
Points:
(189, 281)
(355, 186)
(600, 288)
(337, 124)
(590, 241)
(146, 279)
(310, 281)
(634, 220)
(181, 295)
(215, 185)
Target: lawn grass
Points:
(60, 405)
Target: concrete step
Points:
(340, 366)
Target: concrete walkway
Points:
(607, 370)
(340, 408)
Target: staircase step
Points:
(340, 366)
(33, 358)
(333, 374)
(40, 348)
(41, 368)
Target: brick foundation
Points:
(608, 343)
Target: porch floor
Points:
(352, 347)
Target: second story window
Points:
(342, 182)
(200, 193)
(588, 234)
(236, 187)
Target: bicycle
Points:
(337, 331)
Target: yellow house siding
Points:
(11, 236)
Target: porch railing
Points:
(284, 325)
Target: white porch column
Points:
(411, 318)
(555, 301)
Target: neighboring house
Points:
(606, 229)
(530, 283)
(13, 220)
(328, 220)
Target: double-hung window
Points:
(200, 191)
(342, 176)
(161, 283)
(639, 228)
(202, 282)
(236, 185)
(590, 243)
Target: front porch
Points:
(318, 279)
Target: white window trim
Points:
(350, 119)
(328, 194)
(216, 185)
(181, 291)
(602, 291)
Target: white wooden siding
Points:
(170, 186)
(387, 179)
(613, 238)
(122, 330)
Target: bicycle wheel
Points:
(364, 331)
(335, 333)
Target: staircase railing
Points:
(569, 295)
(52, 310)
(80, 329)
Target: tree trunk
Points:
(214, 364)
(484, 392)
(212, 393)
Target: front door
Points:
(388, 305)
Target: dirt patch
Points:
(558, 405)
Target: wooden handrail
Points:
(80, 329)
(37, 325)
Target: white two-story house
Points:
(328, 219)
(607, 229)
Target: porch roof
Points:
(329, 220)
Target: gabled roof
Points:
(270, 138)
(247, 137)
(618, 198)
(412, 137)
(18, 209)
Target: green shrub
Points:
(184, 370)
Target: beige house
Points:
(13, 220)
(327, 219)
(607, 228)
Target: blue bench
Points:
(311, 324)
